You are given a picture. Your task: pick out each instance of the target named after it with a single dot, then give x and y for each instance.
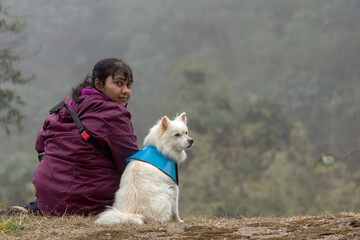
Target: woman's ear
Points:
(98, 84)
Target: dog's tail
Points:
(115, 216)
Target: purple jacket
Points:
(73, 176)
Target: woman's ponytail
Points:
(75, 93)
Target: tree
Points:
(11, 38)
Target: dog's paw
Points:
(137, 221)
(177, 219)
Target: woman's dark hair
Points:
(102, 69)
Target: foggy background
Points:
(267, 85)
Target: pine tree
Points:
(10, 38)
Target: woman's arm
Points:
(122, 140)
(39, 144)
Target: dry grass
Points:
(338, 226)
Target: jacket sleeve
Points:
(40, 139)
(121, 138)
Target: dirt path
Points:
(338, 226)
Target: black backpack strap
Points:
(82, 130)
(57, 107)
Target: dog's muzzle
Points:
(190, 143)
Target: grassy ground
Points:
(338, 226)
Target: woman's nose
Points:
(125, 89)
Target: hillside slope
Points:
(337, 226)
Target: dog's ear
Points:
(182, 117)
(165, 121)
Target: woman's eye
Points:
(177, 135)
(129, 85)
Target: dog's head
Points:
(171, 137)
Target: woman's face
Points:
(118, 89)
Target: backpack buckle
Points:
(85, 135)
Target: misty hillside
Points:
(268, 86)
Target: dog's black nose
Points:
(191, 141)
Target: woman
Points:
(74, 177)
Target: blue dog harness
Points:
(151, 155)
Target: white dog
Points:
(147, 192)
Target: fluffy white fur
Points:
(146, 193)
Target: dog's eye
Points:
(177, 135)
(186, 132)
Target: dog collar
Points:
(152, 156)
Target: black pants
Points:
(33, 207)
